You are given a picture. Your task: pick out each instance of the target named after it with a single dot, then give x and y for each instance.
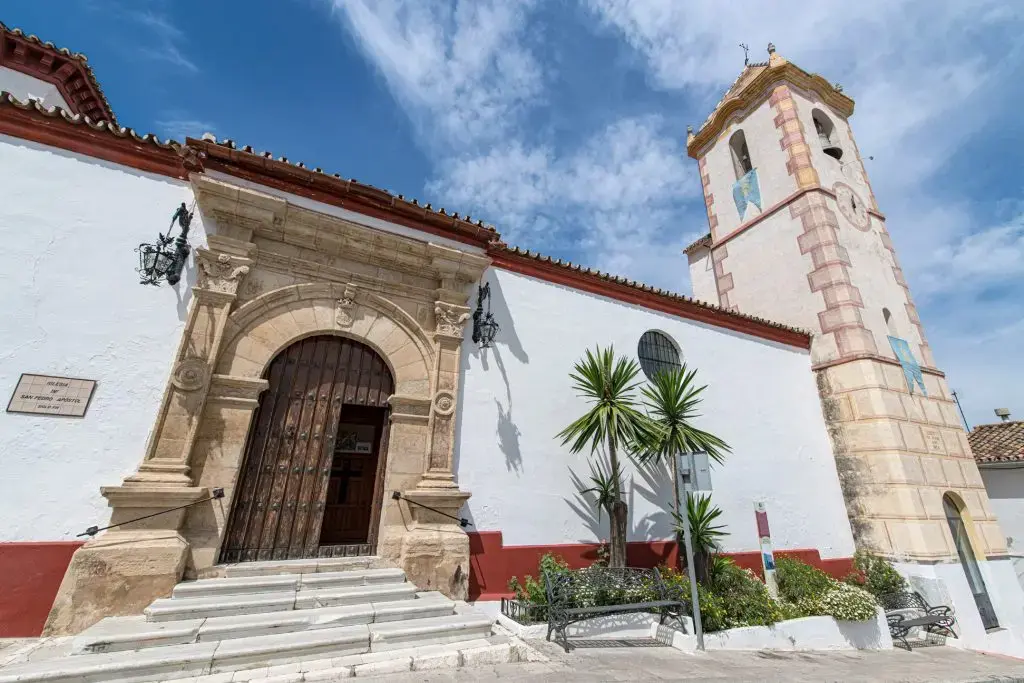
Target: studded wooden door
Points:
(283, 484)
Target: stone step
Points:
(116, 634)
(310, 566)
(470, 653)
(237, 585)
(197, 659)
(202, 607)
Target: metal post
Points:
(690, 569)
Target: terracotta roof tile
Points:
(704, 241)
(82, 60)
(998, 442)
(399, 203)
(7, 99)
(642, 287)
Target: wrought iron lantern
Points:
(166, 259)
(484, 326)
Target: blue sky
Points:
(563, 122)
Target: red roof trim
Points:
(57, 128)
(336, 191)
(673, 304)
(67, 71)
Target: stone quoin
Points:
(317, 357)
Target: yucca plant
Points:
(605, 480)
(671, 399)
(613, 421)
(705, 534)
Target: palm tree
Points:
(671, 399)
(704, 533)
(612, 422)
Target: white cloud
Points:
(167, 38)
(459, 68)
(926, 77)
(179, 125)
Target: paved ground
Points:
(668, 664)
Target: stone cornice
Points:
(249, 214)
(757, 90)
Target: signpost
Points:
(695, 470)
(764, 538)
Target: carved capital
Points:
(344, 307)
(221, 273)
(450, 318)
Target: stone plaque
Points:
(44, 395)
(934, 441)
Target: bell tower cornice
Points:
(754, 85)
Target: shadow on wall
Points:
(183, 290)
(656, 489)
(506, 430)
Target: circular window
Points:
(657, 353)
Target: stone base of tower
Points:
(900, 455)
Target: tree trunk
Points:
(679, 513)
(617, 537)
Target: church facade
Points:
(315, 383)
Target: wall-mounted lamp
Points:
(166, 259)
(484, 326)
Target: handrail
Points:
(463, 522)
(217, 493)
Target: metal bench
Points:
(578, 595)
(904, 611)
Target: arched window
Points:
(954, 506)
(889, 324)
(740, 154)
(827, 134)
(657, 353)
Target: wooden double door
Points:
(312, 474)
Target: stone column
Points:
(435, 550)
(126, 568)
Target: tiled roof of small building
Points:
(97, 97)
(998, 442)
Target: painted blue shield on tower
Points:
(746, 191)
(911, 368)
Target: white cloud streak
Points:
(927, 77)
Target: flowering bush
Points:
(843, 602)
(875, 575)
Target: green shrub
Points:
(843, 602)
(875, 575)
(798, 581)
(735, 598)
(533, 590)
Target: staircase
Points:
(296, 620)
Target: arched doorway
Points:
(311, 479)
(954, 517)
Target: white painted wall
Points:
(946, 584)
(517, 396)
(73, 306)
(1005, 488)
(702, 276)
(25, 87)
(767, 158)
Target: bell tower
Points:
(796, 236)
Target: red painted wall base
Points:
(30, 574)
(492, 563)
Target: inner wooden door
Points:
(354, 475)
(282, 490)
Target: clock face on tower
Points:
(853, 208)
